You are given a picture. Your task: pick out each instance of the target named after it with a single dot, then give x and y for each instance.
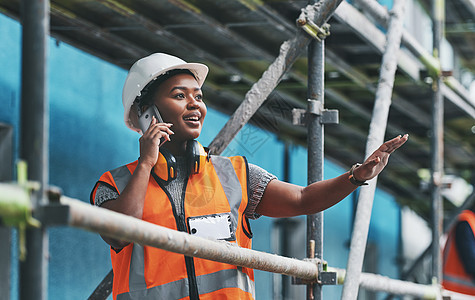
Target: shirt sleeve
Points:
(258, 181)
(104, 193)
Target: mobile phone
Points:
(145, 118)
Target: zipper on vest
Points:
(189, 262)
(181, 226)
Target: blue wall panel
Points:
(84, 141)
(384, 230)
(10, 50)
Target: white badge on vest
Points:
(214, 227)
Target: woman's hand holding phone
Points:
(155, 136)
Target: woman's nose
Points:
(192, 102)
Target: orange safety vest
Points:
(454, 276)
(143, 272)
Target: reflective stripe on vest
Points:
(121, 177)
(230, 183)
(208, 283)
(459, 280)
(136, 270)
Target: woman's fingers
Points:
(378, 160)
(391, 145)
(161, 130)
(157, 131)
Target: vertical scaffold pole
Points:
(6, 175)
(375, 138)
(437, 143)
(315, 94)
(34, 138)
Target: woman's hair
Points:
(148, 92)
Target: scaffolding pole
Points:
(381, 283)
(76, 213)
(123, 227)
(34, 139)
(6, 174)
(289, 52)
(106, 222)
(375, 138)
(316, 68)
(437, 144)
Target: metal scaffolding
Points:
(375, 138)
(313, 271)
(34, 140)
(437, 144)
(65, 211)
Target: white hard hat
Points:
(147, 69)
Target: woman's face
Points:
(180, 102)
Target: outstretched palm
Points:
(376, 162)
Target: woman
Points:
(177, 184)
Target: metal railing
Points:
(65, 211)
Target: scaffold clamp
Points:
(15, 200)
(315, 31)
(328, 116)
(315, 107)
(324, 277)
(16, 207)
(327, 278)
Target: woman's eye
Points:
(199, 97)
(180, 96)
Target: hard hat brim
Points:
(199, 70)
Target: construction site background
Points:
(87, 136)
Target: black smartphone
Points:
(145, 118)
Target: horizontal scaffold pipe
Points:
(381, 283)
(381, 15)
(289, 52)
(123, 227)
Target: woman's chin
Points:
(190, 136)
(195, 134)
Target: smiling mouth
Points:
(192, 119)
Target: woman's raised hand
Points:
(376, 162)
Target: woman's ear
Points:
(133, 115)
